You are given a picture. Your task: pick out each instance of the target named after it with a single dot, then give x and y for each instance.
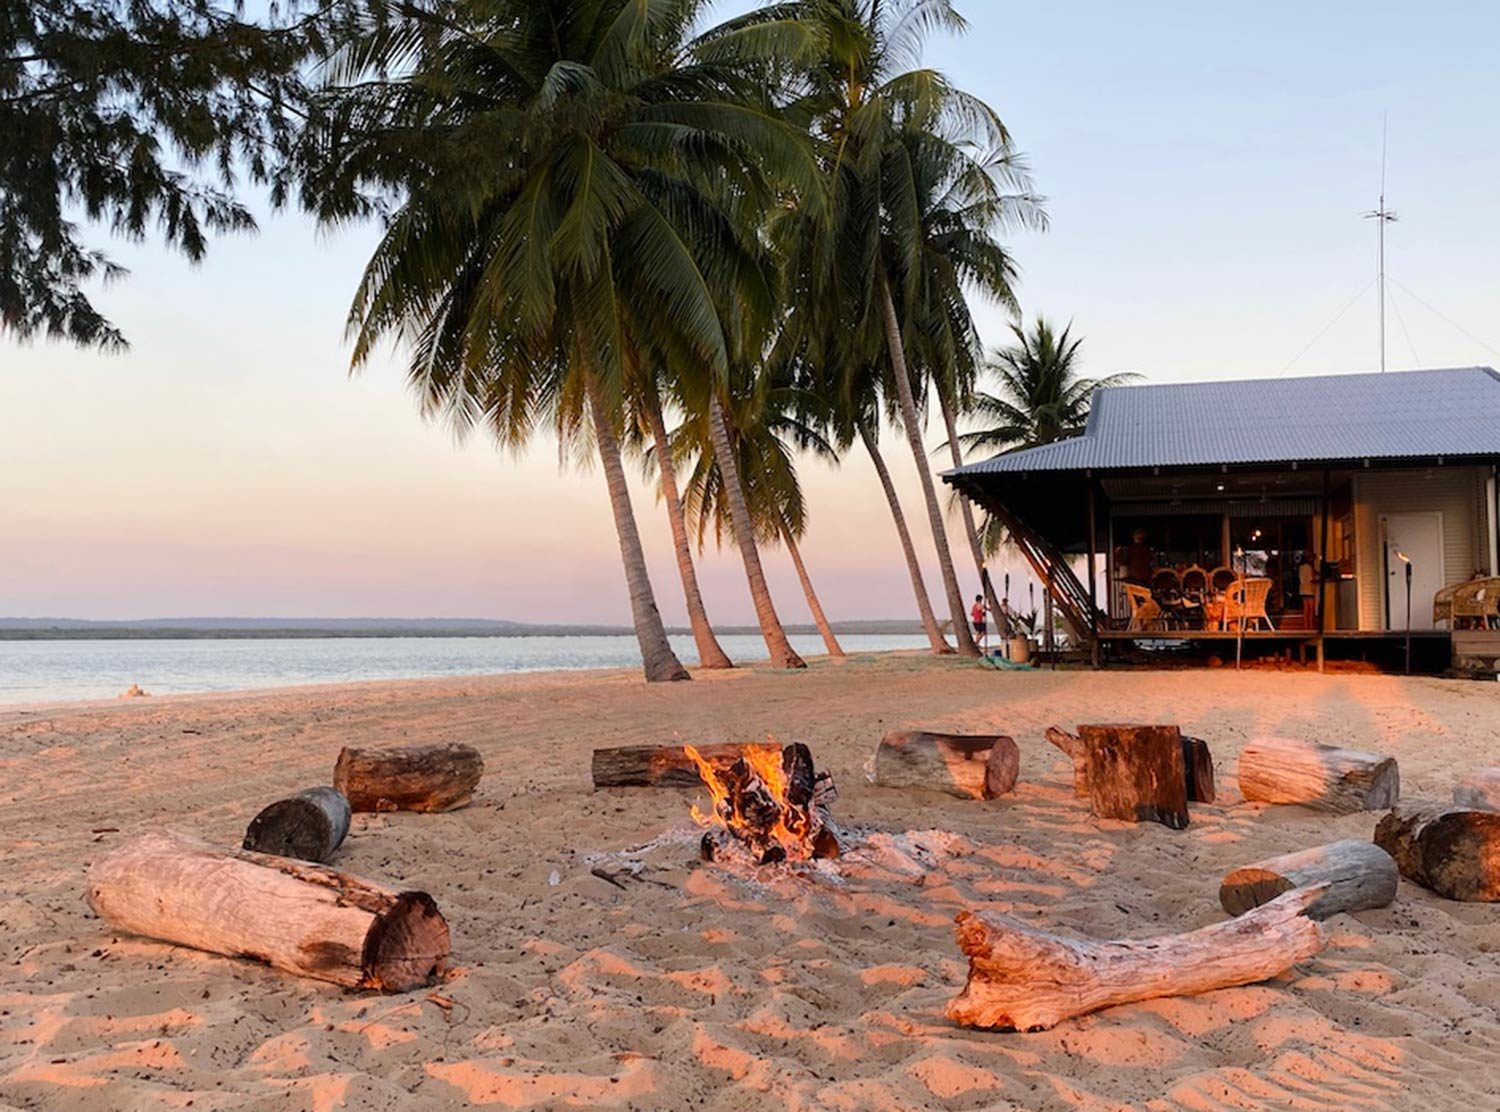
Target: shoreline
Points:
(372, 686)
(198, 658)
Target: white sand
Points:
(709, 992)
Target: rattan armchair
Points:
(1245, 602)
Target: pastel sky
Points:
(1206, 165)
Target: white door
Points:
(1418, 537)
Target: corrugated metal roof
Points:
(1453, 412)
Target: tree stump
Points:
(1198, 767)
(1479, 790)
(970, 767)
(1198, 764)
(299, 917)
(411, 778)
(1077, 752)
(1357, 875)
(1455, 853)
(1136, 773)
(664, 766)
(1023, 979)
(309, 825)
(1325, 777)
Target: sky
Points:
(1205, 166)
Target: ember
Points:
(771, 803)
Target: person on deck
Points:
(1138, 559)
(1307, 587)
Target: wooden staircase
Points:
(1068, 593)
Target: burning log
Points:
(1136, 773)
(1455, 853)
(770, 804)
(309, 825)
(1325, 777)
(1024, 979)
(301, 918)
(1358, 875)
(1198, 764)
(970, 767)
(412, 778)
(665, 766)
(1479, 790)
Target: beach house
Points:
(1301, 510)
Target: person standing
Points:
(977, 614)
(1138, 559)
(1307, 587)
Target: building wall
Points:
(1456, 492)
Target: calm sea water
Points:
(37, 671)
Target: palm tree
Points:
(769, 426)
(558, 171)
(710, 653)
(862, 100)
(1041, 395)
(963, 198)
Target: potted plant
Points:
(1023, 631)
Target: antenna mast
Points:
(1382, 216)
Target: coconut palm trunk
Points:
(970, 531)
(710, 653)
(961, 633)
(830, 642)
(924, 606)
(782, 653)
(660, 661)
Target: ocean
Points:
(44, 671)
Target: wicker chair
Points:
(1220, 578)
(1442, 605)
(1195, 583)
(1144, 612)
(1476, 604)
(1245, 601)
(1195, 591)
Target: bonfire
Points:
(770, 803)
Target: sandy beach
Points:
(703, 990)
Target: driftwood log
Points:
(299, 917)
(1197, 760)
(664, 766)
(1357, 874)
(1136, 773)
(1479, 790)
(970, 767)
(309, 825)
(1023, 979)
(410, 778)
(1456, 853)
(1325, 777)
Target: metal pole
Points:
(1382, 280)
(1239, 641)
(1408, 617)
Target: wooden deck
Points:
(1306, 635)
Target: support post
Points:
(1322, 567)
(1093, 575)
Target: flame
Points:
(792, 829)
